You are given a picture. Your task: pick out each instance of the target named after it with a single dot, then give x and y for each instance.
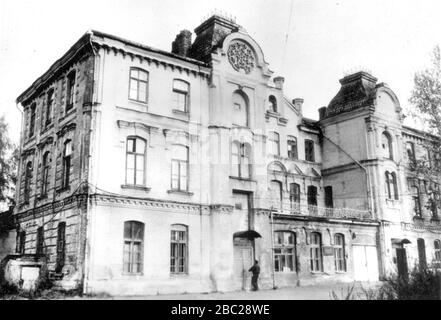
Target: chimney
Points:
(278, 81)
(210, 35)
(322, 113)
(298, 104)
(182, 43)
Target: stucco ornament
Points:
(241, 56)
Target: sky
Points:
(311, 43)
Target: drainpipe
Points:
(272, 248)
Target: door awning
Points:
(249, 234)
(400, 241)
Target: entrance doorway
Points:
(243, 260)
(400, 258)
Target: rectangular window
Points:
(181, 94)
(133, 247)
(292, 148)
(294, 197)
(67, 154)
(178, 249)
(138, 85)
(274, 139)
(49, 103)
(45, 174)
(284, 251)
(309, 151)
(339, 253)
(70, 90)
(21, 242)
(316, 252)
(40, 241)
(135, 161)
(32, 111)
(329, 201)
(179, 166)
(61, 247)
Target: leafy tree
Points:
(8, 161)
(426, 99)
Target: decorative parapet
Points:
(419, 227)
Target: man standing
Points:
(255, 269)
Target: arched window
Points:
(276, 194)
(61, 247)
(391, 185)
(240, 109)
(284, 251)
(45, 174)
(181, 95)
(339, 253)
(315, 252)
(386, 145)
(133, 247)
(179, 249)
(395, 185)
(135, 161)
(67, 155)
(179, 174)
(138, 86)
(28, 181)
(273, 103)
(292, 148)
(274, 140)
(70, 90)
(294, 197)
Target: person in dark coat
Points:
(255, 269)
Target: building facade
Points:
(144, 171)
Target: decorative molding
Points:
(47, 141)
(241, 56)
(136, 125)
(66, 128)
(28, 152)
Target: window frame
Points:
(132, 240)
(175, 268)
(282, 250)
(315, 253)
(243, 156)
(45, 168)
(135, 159)
(138, 81)
(280, 190)
(28, 181)
(179, 162)
(294, 197)
(329, 197)
(388, 137)
(309, 155)
(293, 153)
(340, 253)
(39, 241)
(273, 102)
(49, 107)
(274, 138)
(32, 120)
(437, 253)
(67, 164)
(179, 91)
(70, 90)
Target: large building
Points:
(144, 171)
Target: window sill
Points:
(418, 218)
(139, 103)
(47, 127)
(179, 275)
(184, 193)
(181, 113)
(317, 272)
(68, 114)
(132, 187)
(285, 272)
(42, 197)
(242, 179)
(64, 189)
(125, 274)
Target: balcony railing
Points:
(315, 211)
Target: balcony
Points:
(332, 213)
